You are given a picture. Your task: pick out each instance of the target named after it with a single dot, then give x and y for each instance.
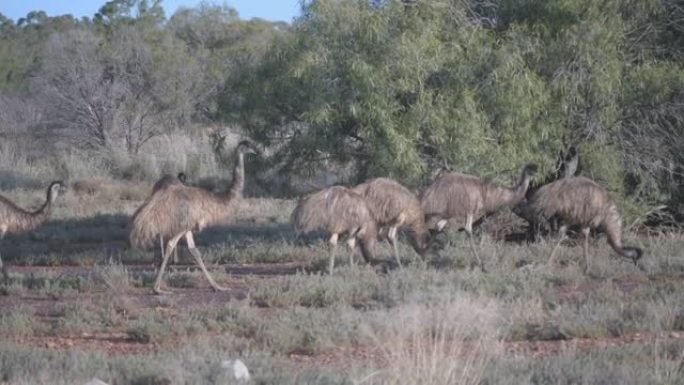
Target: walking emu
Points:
(338, 210)
(164, 182)
(176, 210)
(581, 201)
(393, 205)
(14, 219)
(566, 167)
(464, 199)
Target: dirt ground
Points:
(241, 280)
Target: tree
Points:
(114, 96)
(393, 89)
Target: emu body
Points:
(394, 206)
(175, 211)
(567, 166)
(583, 202)
(14, 219)
(463, 199)
(164, 182)
(338, 211)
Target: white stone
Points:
(237, 369)
(96, 381)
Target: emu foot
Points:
(218, 288)
(160, 291)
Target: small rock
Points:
(236, 369)
(95, 381)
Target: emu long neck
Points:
(613, 229)
(238, 177)
(496, 197)
(523, 185)
(418, 237)
(39, 216)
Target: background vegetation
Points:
(352, 89)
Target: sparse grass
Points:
(19, 321)
(432, 322)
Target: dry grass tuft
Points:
(450, 341)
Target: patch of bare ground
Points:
(342, 357)
(110, 343)
(549, 348)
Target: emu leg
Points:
(585, 232)
(174, 259)
(3, 268)
(158, 261)
(198, 258)
(5, 273)
(351, 243)
(561, 238)
(392, 235)
(333, 249)
(469, 231)
(165, 259)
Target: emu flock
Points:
(176, 209)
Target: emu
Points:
(583, 202)
(338, 211)
(393, 205)
(14, 219)
(176, 211)
(567, 166)
(464, 199)
(164, 182)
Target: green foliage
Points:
(397, 90)
(370, 88)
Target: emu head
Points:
(633, 253)
(182, 177)
(247, 147)
(530, 169)
(570, 165)
(56, 188)
(434, 245)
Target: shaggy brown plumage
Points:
(464, 199)
(338, 210)
(393, 205)
(14, 219)
(176, 210)
(581, 201)
(164, 182)
(567, 166)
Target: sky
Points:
(273, 10)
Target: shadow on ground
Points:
(105, 237)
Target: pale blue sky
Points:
(282, 10)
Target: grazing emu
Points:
(14, 219)
(393, 205)
(338, 210)
(581, 201)
(176, 210)
(566, 167)
(464, 199)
